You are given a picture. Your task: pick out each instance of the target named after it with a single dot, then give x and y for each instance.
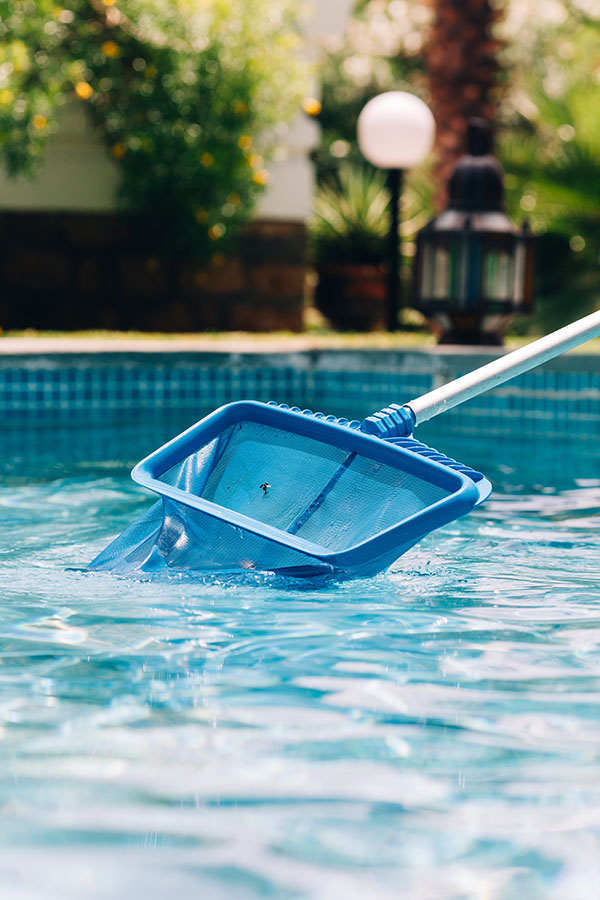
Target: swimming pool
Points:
(433, 732)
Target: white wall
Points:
(78, 174)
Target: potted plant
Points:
(349, 240)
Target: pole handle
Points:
(504, 368)
(396, 420)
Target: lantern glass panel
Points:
(519, 271)
(441, 274)
(426, 269)
(498, 275)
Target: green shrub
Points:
(186, 95)
(550, 149)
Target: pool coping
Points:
(80, 381)
(297, 353)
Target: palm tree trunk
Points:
(463, 75)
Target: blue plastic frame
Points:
(463, 494)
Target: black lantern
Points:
(474, 268)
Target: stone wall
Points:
(69, 271)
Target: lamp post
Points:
(474, 268)
(395, 132)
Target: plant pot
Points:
(352, 296)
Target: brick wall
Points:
(72, 271)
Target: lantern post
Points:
(395, 132)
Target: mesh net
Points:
(330, 496)
(171, 536)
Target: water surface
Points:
(432, 732)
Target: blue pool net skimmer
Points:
(263, 487)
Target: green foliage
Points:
(548, 126)
(551, 155)
(380, 50)
(183, 93)
(351, 215)
(351, 221)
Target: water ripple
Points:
(432, 732)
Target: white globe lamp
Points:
(395, 131)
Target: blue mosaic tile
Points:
(40, 391)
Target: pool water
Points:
(432, 732)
